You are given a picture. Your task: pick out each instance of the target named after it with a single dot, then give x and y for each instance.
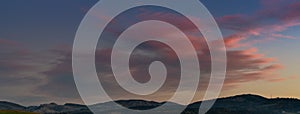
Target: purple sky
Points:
(261, 36)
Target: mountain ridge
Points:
(244, 103)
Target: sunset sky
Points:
(36, 38)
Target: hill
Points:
(14, 112)
(251, 104)
(239, 104)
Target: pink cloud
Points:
(266, 22)
(245, 62)
(8, 42)
(234, 41)
(282, 36)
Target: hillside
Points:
(245, 104)
(15, 112)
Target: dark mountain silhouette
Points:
(240, 104)
(10, 106)
(111, 107)
(139, 104)
(251, 104)
(53, 108)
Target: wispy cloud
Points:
(266, 22)
(47, 75)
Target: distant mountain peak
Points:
(246, 97)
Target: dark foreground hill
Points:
(240, 104)
(251, 104)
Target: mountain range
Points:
(239, 104)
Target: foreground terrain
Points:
(14, 112)
(240, 104)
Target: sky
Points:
(36, 38)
